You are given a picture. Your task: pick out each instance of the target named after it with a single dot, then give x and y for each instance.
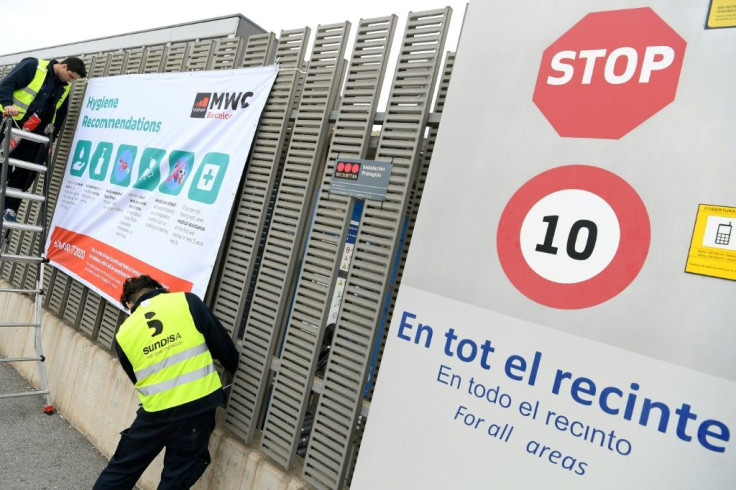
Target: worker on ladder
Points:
(35, 94)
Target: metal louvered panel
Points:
(331, 221)
(48, 278)
(300, 86)
(259, 50)
(304, 163)
(74, 301)
(7, 266)
(229, 53)
(415, 199)
(19, 271)
(200, 55)
(175, 57)
(260, 176)
(22, 240)
(412, 212)
(26, 242)
(29, 281)
(56, 299)
(112, 317)
(30, 245)
(154, 56)
(249, 223)
(444, 85)
(12, 247)
(87, 58)
(376, 245)
(98, 66)
(134, 60)
(117, 62)
(90, 320)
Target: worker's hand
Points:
(10, 110)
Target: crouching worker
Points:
(166, 348)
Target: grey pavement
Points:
(39, 451)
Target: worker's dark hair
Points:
(134, 285)
(76, 65)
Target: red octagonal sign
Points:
(609, 73)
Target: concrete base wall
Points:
(90, 389)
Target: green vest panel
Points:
(172, 363)
(23, 97)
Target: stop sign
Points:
(609, 73)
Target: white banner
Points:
(153, 171)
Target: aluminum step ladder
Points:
(6, 228)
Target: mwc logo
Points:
(206, 102)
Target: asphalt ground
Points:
(40, 451)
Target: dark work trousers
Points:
(22, 178)
(185, 459)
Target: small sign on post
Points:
(362, 179)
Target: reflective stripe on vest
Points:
(23, 97)
(170, 361)
(180, 380)
(168, 354)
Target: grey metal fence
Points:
(301, 394)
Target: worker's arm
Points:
(218, 339)
(124, 362)
(20, 76)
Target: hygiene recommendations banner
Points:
(565, 318)
(153, 170)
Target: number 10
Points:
(572, 238)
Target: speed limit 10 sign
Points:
(609, 73)
(573, 237)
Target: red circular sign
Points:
(628, 255)
(609, 73)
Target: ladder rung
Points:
(19, 194)
(20, 359)
(29, 136)
(15, 290)
(28, 165)
(21, 226)
(25, 393)
(13, 325)
(20, 258)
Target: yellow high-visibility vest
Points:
(170, 358)
(23, 97)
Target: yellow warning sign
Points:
(722, 13)
(713, 246)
